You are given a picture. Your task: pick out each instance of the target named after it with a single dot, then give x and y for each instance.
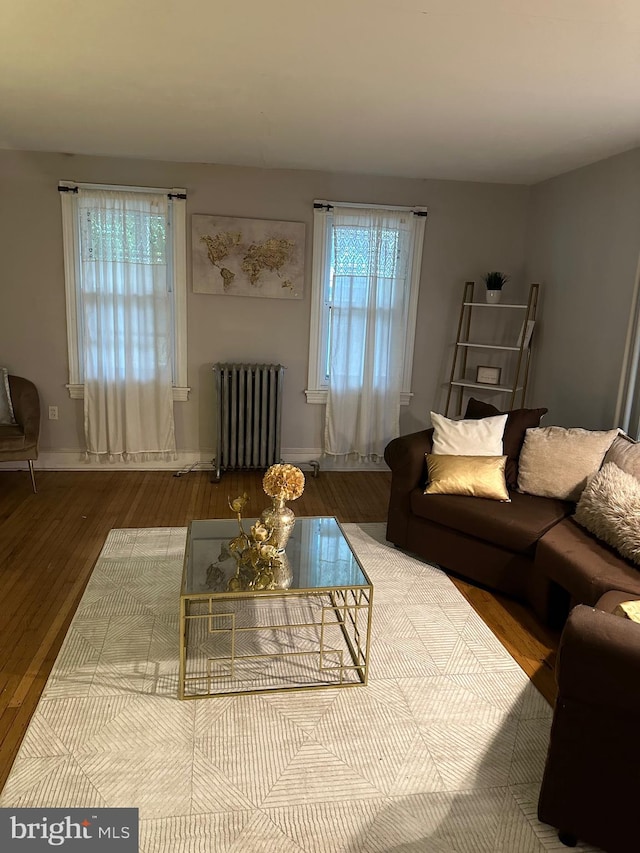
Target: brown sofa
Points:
(530, 548)
(590, 785)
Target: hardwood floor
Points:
(50, 541)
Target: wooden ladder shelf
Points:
(515, 358)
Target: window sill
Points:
(318, 396)
(180, 394)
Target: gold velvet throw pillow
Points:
(628, 610)
(476, 476)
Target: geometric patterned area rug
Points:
(442, 751)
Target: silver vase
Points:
(283, 572)
(281, 520)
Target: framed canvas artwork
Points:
(247, 257)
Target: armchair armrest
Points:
(599, 660)
(406, 458)
(26, 407)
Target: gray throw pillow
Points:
(6, 409)
(625, 452)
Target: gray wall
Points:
(470, 228)
(583, 240)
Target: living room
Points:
(543, 186)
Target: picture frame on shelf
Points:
(488, 375)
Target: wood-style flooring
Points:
(49, 543)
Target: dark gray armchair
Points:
(19, 441)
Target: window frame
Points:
(177, 234)
(317, 386)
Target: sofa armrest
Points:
(599, 660)
(590, 781)
(406, 458)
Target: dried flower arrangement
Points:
(284, 482)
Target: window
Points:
(152, 235)
(347, 250)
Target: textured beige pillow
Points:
(610, 509)
(476, 476)
(474, 437)
(625, 453)
(556, 462)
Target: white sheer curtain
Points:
(126, 325)
(370, 291)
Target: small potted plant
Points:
(495, 281)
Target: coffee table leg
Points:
(183, 647)
(346, 606)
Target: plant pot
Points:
(493, 296)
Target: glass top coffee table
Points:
(311, 630)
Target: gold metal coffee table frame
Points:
(314, 634)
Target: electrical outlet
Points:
(53, 413)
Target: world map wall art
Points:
(247, 257)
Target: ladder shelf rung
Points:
(487, 346)
(494, 305)
(489, 387)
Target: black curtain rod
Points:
(75, 190)
(319, 206)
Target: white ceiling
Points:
(484, 90)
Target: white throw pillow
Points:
(556, 462)
(6, 409)
(476, 437)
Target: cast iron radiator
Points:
(249, 401)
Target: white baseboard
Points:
(303, 456)
(72, 460)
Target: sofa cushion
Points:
(581, 564)
(625, 453)
(516, 526)
(609, 507)
(555, 462)
(518, 422)
(478, 476)
(468, 438)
